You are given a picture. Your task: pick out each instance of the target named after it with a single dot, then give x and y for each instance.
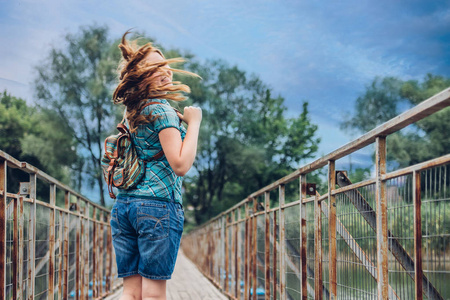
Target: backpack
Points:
(122, 167)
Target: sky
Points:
(323, 52)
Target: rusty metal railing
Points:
(386, 237)
(55, 247)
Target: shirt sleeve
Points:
(166, 117)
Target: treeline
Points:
(246, 140)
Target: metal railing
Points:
(386, 237)
(54, 248)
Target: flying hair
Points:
(135, 82)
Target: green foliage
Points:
(384, 99)
(378, 104)
(15, 120)
(358, 174)
(76, 83)
(246, 142)
(36, 136)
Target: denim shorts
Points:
(146, 236)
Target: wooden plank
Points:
(381, 223)
(332, 229)
(418, 271)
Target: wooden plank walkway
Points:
(187, 283)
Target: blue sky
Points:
(324, 52)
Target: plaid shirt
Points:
(160, 181)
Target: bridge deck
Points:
(187, 283)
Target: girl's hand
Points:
(191, 115)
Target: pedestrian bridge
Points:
(313, 234)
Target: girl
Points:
(147, 220)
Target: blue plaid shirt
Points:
(160, 181)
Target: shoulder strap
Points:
(123, 128)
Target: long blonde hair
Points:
(135, 85)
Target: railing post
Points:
(381, 213)
(418, 271)
(15, 253)
(77, 253)
(247, 250)
(238, 256)
(51, 250)
(275, 255)
(3, 176)
(281, 227)
(101, 247)
(108, 253)
(332, 229)
(61, 241)
(303, 238)
(86, 248)
(318, 290)
(94, 254)
(226, 253)
(255, 247)
(66, 246)
(267, 244)
(32, 237)
(211, 252)
(20, 249)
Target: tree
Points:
(382, 101)
(37, 137)
(76, 82)
(246, 142)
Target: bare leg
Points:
(153, 289)
(132, 287)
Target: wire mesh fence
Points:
(325, 237)
(56, 244)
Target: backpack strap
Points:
(122, 127)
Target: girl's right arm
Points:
(181, 154)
